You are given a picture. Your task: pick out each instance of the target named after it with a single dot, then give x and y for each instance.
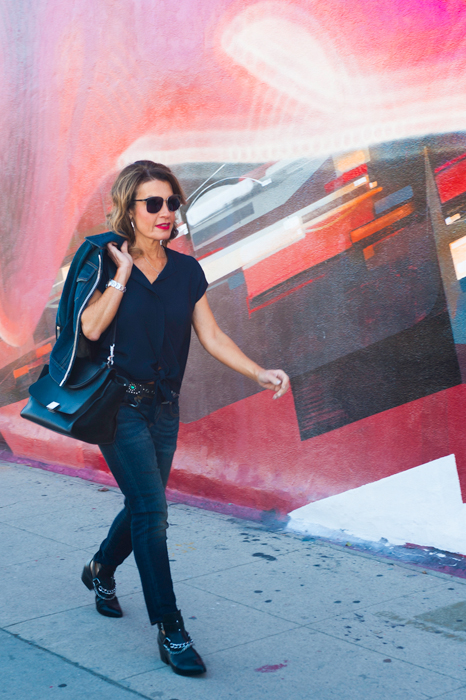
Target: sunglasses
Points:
(154, 204)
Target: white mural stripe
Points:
(274, 238)
(421, 505)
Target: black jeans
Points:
(140, 460)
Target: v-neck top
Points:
(153, 326)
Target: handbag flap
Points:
(84, 372)
(66, 399)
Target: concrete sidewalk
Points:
(272, 615)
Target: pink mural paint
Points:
(77, 98)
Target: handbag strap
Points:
(111, 357)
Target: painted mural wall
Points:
(323, 149)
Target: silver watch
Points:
(117, 285)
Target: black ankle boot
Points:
(100, 578)
(176, 646)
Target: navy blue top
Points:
(153, 329)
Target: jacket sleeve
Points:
(66, 305)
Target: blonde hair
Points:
(124, 192)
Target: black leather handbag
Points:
(85, 408)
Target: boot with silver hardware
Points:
(100, 578)
(176, 646)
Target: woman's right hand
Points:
(122, 259)
(102, 308)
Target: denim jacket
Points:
(81, 281)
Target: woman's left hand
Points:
(274, 379)
(222, 347)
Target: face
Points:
(155, 227)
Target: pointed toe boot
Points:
(99, 578)
(176, 647)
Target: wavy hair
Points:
(124, 192)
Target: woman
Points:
(158, 293)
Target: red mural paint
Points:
(206, 255)
(319, 244)
(452, 181)
(251, 454)
(238, 453)
(345, 178)
(450, 162)
(279, 296)
(382, 222)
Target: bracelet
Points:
(117, 285)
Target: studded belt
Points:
(141, 389)
(137, 391)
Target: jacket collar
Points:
(101, 239)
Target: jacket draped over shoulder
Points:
(82, 279)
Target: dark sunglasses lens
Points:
(173, 202)
(154, 204)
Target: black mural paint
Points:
(407, 366)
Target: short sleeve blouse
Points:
(153, 326)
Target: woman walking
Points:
(153, 294)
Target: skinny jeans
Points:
(140, 459)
